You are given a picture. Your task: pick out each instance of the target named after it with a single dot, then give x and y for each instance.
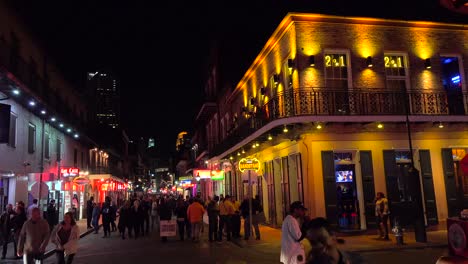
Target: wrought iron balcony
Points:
(324, 101)
(357, 102)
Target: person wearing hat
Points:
(292, 251)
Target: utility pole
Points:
(414, 185)
(41, 166)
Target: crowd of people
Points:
(31, 231)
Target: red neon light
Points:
(70, 171)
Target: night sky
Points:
(159, 50)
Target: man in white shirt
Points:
(31, 207)
(292, 251)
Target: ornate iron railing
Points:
(329, 102)
(324, 101)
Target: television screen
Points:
(344, 176)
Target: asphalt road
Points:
(149, 249)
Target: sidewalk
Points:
(10, 257)
(271, 241)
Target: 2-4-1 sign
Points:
(249, 164)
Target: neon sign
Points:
(69, 172)
(249, 164)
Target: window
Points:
(31, 138)
(59, 150)
(12, 138)
(336, 70)
(395, 71)
(47, 146)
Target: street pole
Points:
(41, 168)
(250, 205)
(415, 187)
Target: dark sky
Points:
(158, 49)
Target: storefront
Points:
(210, 182)
(103, 185)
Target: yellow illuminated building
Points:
(324, 109)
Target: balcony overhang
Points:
(339, 119)
(206, 111)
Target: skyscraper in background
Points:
(103, 86)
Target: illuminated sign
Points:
(81, 180)
(249, 164)
(69, 172)
(335, 60)
(215, 175)
(394, 62)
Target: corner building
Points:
(325, 107)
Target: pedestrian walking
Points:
(382, 212)
(65, 237)
(5, 227)
(324, 245)
(146, 207)
(33, 239)
(31, 207)
(137, 217)
(106, 216)
(181, 216)
(236, 218)
(113, 216)
(213, 215)
(292, 251)
(96, 215)
(17, 224)
(226, 210)
(188, 227)
(125, 219)
(89, 212)
(245, 209)
(195, 215)
(165, 213)
(154, 213)
(51, 215)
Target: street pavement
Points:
(95, 249)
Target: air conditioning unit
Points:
(457, 234)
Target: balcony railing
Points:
(327, 102)
(300, 102)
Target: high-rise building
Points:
(103, 86)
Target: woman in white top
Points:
(65, 237)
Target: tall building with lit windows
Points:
(337, 109)
(103, 85)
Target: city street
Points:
(94, 249)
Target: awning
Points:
(105, 177)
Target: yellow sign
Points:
(249, 164)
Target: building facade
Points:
(326, 106)
(48, 146)
(103, 86)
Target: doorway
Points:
(346, 194)
(451, 80)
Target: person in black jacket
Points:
(124, 219)
(51, 215)
(89, 212)
(106, 213)
(113, 216)
(181, 214)
(17, 223)
(6, 225)
(137, 218)
(146, 206)
(165, 213)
